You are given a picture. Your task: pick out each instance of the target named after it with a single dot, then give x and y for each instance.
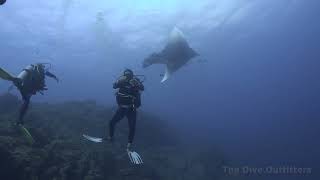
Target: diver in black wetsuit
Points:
(128, 99)
(30, 81)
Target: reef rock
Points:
(60, 152)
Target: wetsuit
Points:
(128, 99)
(30, 86)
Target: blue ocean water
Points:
(253, 91)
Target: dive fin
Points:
(93, 139)
(27, 134)
(134, 157)
(6, 76)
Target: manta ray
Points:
(176, 54)
(2, 2)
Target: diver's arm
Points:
(137, 84)
(119, 82)
(49, 74)
(141, 86)
(116, 85)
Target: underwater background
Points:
(251, 99)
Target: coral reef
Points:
(60, 152)
(8, 103)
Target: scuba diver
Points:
(30, 81)
(129, 100)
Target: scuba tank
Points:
(26, 75)
(31, 70)
(31, 79)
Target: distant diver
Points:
(2, 2)
(129, 100)
(30, 81)
(176, 54)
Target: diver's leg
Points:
(116, 118)
(132, 117)
(24, 107)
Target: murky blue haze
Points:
(253, 92)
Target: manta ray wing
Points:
(175, 54)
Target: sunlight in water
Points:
(139, 6)
(148, 4)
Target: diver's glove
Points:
(133, 156)
(49, 74)
(135, 82)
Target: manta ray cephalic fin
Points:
(166, 75)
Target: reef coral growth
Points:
(60, 153)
